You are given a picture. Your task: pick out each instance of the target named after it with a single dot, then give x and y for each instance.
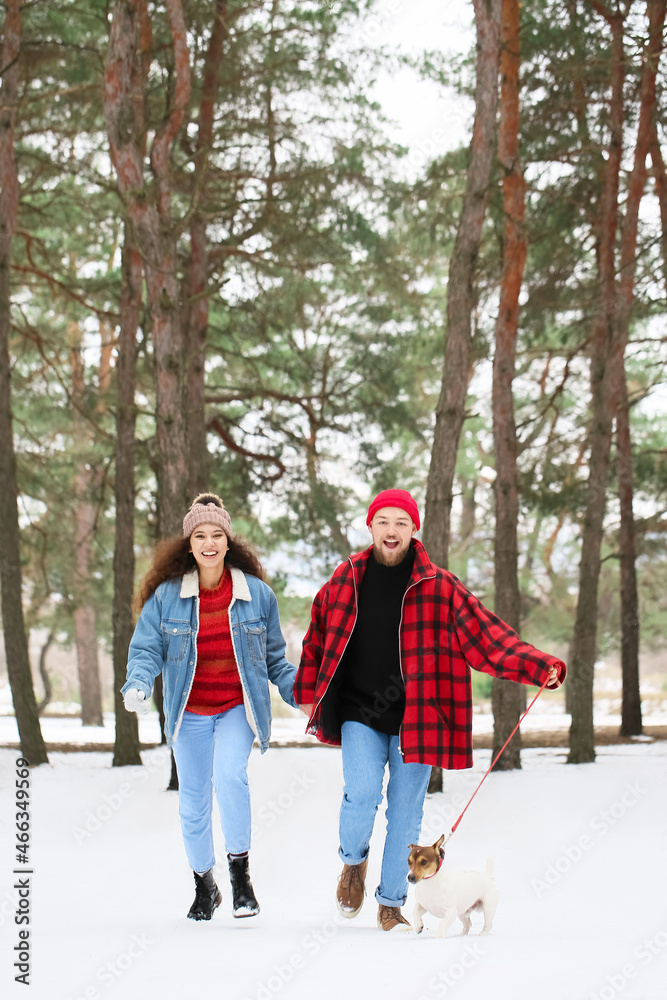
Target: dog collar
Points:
(442, 858)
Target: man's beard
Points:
(394, 558)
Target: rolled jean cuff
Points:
(349, 861)
(384, 901)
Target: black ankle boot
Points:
(244, 900)
(207, 896)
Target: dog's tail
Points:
(489, 866)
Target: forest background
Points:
(220, 270)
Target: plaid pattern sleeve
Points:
(311, 655)
(492, 646)
(445, 630)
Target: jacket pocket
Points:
(440, 713)
(255, 638)
(175, 636)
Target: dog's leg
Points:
(466, 921)
(446, 922)
(417, 915)
(489, 907)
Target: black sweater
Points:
(371, 688)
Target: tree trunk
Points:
(436, 781)
(126, 745)
(85, 630)
(197, 311)
(16, 644)
(631, 707)
(660, 181)
(610, 336)
(44, 674)
(450, 411)
(584, 649)
(506, 696)
(467, 524)
(196, 330)
(631, 718)
(154, 232)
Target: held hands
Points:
(307, 710)
(136, 701)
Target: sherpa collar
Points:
(240, 589)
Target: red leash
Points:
(493, 762)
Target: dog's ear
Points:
(413, 847)
(438, 844)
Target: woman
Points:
(210, 625)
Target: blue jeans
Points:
(365, 754)
(211, 753)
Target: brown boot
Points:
(391, 918)
(351, 889)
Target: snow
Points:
(579, 854)
(546, 715)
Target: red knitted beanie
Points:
(394, 498)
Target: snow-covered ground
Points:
(580, 858)
(546, 715)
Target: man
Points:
(385, 673)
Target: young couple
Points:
(384, 673)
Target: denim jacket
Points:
(165, 640)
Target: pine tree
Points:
(16, 645)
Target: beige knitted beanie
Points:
(207, 508)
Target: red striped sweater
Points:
(216, 686)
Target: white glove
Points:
(136, 701)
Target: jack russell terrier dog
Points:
(449, 894)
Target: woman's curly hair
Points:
(172, 558)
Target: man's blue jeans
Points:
(211, 753)
(365, 754)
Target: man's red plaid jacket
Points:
(444, 631)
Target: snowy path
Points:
(580, 858)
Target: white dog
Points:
(449, 894)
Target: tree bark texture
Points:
(608, 343)
(631, 717)
(506, 696)
(126, 745)
(85, 626)
(16, 644)
(584, 648)
(196, 331)
(450, 410)
(660, 187)
(148, 208)
(44, 674)
(197, 310)
(631, 705)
